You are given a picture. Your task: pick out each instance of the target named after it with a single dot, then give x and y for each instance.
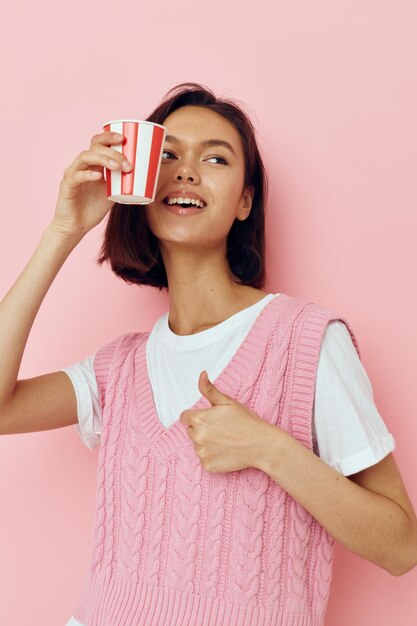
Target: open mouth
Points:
(185, 202)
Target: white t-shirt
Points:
(348, 431)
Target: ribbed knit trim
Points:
(102, 361)
(308, 336)
(118, 602)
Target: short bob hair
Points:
(131, 247)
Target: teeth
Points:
(180, 200)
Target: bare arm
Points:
(49, 401)
(20, 306)
(370, 512)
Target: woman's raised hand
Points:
(82, 202)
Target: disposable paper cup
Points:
(142, 147)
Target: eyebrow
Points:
(206, 144)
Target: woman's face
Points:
(212, 171)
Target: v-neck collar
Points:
(165, 442)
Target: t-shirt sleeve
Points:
(83, 378)
(348, 432)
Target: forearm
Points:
(20, 305)
(369, 524)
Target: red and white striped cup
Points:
(142, 147)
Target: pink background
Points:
(331, 89)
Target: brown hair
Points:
(131, 247)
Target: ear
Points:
(246, 203)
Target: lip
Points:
(179, 210)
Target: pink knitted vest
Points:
(176, 545)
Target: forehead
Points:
(197, 123)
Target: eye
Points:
(220, 158)
(171, 154)
(165, 152)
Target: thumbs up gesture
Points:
(227, 436)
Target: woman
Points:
(218, 497)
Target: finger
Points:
(111, 157)
(198, 437)
(192, 417)
(209, 391)
(82, 176)
(109, 153)
(185, 418)
(88, 158)
(70, 183)
(107, 138)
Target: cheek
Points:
(230, 198)
(162, 176)
(225, 192)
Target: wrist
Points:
(269, 446)
(65, 240)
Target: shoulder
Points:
(303, 308)
(337, 336)
(116, 350)
(323, 323)
(122, 343)
(306, 314)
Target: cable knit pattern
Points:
(175, 545)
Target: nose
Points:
(186, 171)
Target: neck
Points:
(203, 291)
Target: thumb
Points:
(209, 391)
